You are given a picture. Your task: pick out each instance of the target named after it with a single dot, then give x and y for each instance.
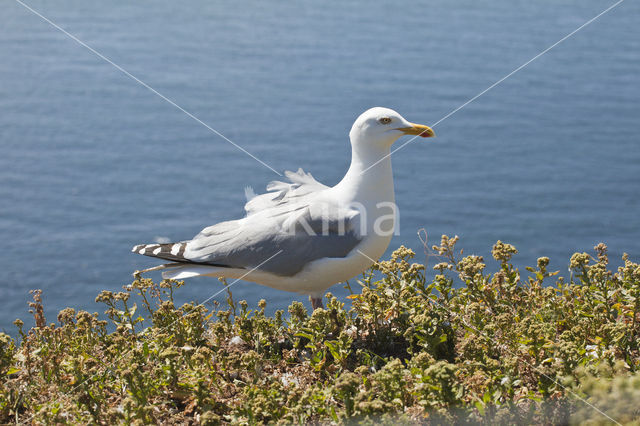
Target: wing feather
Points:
(301, 184)
(288, 221)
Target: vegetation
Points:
(466, 347)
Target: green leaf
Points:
(13, 370)
(304, 334)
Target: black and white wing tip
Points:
(170, 251)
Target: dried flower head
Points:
(503, 252)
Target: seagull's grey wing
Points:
(291, 238)
(286, 225)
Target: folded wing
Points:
(292, 225)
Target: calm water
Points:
(92, 163)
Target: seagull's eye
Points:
(384, 120)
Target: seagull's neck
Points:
(369, 178)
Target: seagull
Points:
(302, 236)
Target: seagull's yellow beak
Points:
(418, 130)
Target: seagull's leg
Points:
(316, 302)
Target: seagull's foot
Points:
(316, 302)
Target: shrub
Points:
(467, 346)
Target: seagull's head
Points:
(381, 127)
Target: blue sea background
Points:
(92, 162)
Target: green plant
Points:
(466, 346)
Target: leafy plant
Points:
(466, 346)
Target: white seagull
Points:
(303, 236)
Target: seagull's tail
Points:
(181, 271)
(184, 271)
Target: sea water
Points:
(92, 162)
